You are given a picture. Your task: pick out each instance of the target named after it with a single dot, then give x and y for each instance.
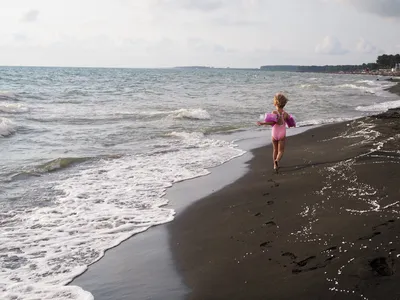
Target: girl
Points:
(278, 129)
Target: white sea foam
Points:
(322, 121)
(7, 127)
(99, 207)
(379, 107)
(377, 83)
(370, 82)
(196, 114)
(183, 113)
(12, 107)
(360, 87)
(45, 292)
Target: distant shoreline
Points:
(294, 69)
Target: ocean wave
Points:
(378, 85)
(224, 129)
(191, 114)
(7, 127)
(322, 121)
(186, 135)
(81, 120)
(5, 95)
(95, 209)
(195, 114)
(57, 164)
(12, 108)
(183, 113)
(75, 92)
(369, 82)
(359, 87)
(379, 107)
(50, 166)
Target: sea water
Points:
(86, 155)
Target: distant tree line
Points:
(330, 69)
(382, 62)
(387, 61)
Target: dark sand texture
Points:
(326, 227)
(396, 88)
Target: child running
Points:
(278, 128)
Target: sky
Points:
(219, 33)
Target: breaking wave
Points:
(7, 127)
(12, 108)
(379, 107)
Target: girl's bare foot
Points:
(276, 166)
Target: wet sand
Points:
(396, 88)
(326, 227)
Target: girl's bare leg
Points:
(275, 152)
(281, 149)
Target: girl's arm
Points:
(268, 123)
(285, 116)
(265, 123)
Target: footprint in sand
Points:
(370, 236)
(290, 254)
(269, 224)
(382, 266)
(305, 261)
(312, 263)
(265, 244)
(383, 224)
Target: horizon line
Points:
(178, 67)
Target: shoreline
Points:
(142, 265)
(295, 234)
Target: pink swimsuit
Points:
(279, 129)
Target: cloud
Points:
(20, 37)
(166, 44)
(203, 5)
(210, 5)
(385, 8)
(330, 45)
(30, 16)
(366, 47)
(219, 49)
(237, 22)
(199, 45)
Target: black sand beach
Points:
(326, 227)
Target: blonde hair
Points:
(280, 100)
